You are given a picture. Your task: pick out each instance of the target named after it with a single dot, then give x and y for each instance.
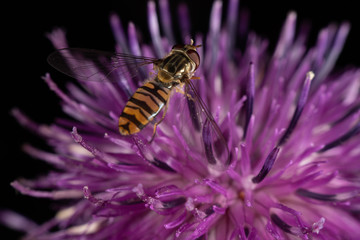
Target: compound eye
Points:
(178, 46)
(194, 56)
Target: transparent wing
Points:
(216, 148)
(94, 65)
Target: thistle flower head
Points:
(291, 125)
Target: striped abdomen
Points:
(143, 107)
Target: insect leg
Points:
(162, 118)
(179, 90)
(186, 92)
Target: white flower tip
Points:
(317, 226)
(345, 27)
(292, 15)
(86, 192)
(189, 205)
(151, 4)
(58, 38)
(131, 26)
(87, 228)
(114, 18)
(76, 136)
(310, 75)
(65, 213)
(15, 112)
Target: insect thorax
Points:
(174, 67)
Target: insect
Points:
(174, 70)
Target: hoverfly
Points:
(174, 70)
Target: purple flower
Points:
(291, 125)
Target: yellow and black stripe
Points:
(143, 107)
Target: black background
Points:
(26, 49)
